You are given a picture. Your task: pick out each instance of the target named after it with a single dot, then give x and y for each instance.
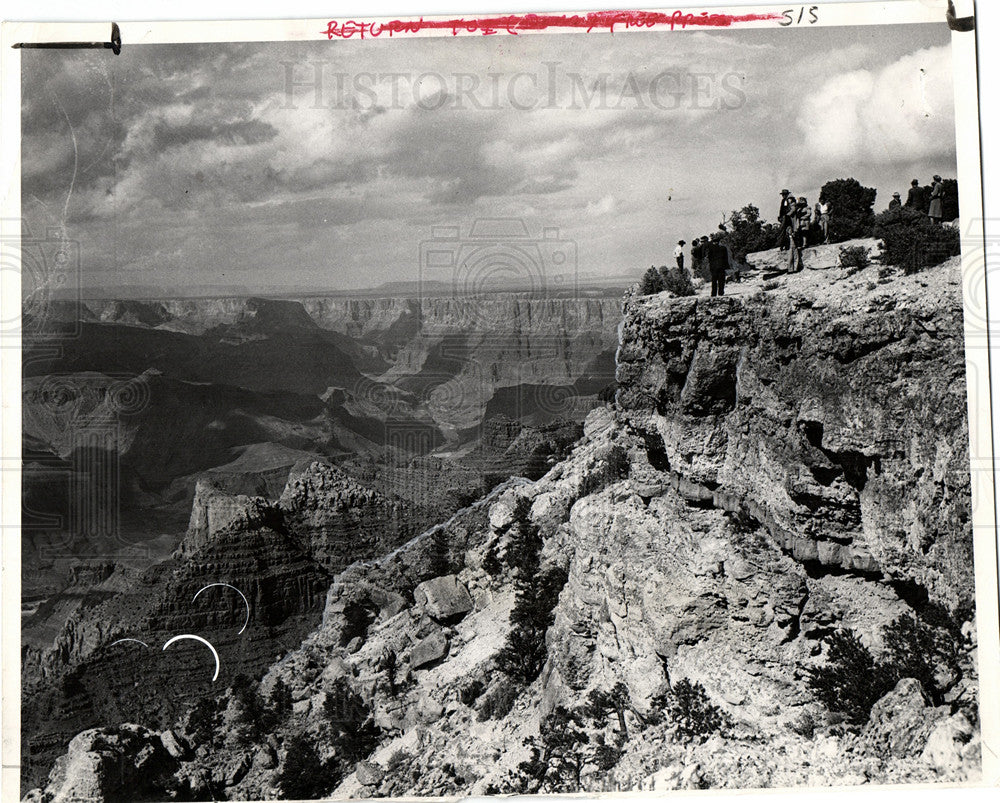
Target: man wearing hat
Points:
(679, 254)
(895, 203)
(719, 262)
(936, 210)
(787, 204)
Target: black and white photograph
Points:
(521, 404)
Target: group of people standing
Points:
(918, 198)
(795, 221)
(713, 251)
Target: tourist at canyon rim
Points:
(800, 219)
(786, 206)
(936, 210)
(718, 263)
(895, 203)
(915, 197)
(823, 211)
(679, 254)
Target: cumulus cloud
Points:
(187, 162)
(900, 113)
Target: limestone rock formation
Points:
(778, 466)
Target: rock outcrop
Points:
(778, 466)
(832, 410)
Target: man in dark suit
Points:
(718, 263)
(784, 223)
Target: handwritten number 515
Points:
(789, 16)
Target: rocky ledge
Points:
(779, 466)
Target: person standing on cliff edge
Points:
(718, 263)
(679, 254)
(784, 223)
(915, 197)
(936, 210)
(800, 219)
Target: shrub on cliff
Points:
(557, 755)
(651, 283)
(746, 233)
(537, 591)
(926, 647)
(279, 704)
(852, 681)
(302, 775)
(688, 707)
(676, 281)
(852, 206)
(601, 704)
(497, 702)
(854, 258)
(246, 712)
(912, 241)
(523, 655)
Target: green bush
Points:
(688, 706)
(852, 681)
(851, 213)
(676, 281)
(537, 592)
(855, 257)
(651, 283)
(301, 775)
(497, 702)
(926, 648)
(746, 233)
(912, 242)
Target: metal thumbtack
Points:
(115, 45)
(960, 24)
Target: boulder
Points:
(429, 650)
(902, 721)
(173, 744)
(946, 743)
(368, 773)
(236, 769)
(444, 598)
(501, 515)
(116, 763)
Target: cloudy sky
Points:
(206, 166)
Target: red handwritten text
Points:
(516, 23)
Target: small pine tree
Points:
(249, 713)
(651, 283)
(557, 756)
(687, 706)
(852, 681)
(852, 208)
(602, 703)
(280, 700)
(301, 775)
